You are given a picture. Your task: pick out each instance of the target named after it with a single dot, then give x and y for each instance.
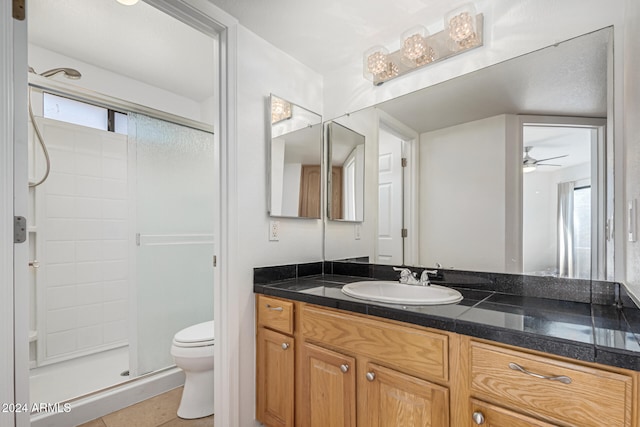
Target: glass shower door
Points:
(173, 229)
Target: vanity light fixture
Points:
(280, 110)
(462, 32)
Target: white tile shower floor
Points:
(73, 378)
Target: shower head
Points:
(69, 73)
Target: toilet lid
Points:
(200, 333)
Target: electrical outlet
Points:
(358, 231)
(274, 231)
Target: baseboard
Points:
(111, 400)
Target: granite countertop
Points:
(579, 330)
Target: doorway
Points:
(563, 197)
(397, 215)
(89, 299)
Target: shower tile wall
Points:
(81, 235)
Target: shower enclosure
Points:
(121, 241)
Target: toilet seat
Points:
(200, 335)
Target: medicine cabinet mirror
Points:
(295, 160)
(345, 174)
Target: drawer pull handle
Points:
(561, 378)
(344, 368)
(478, 417)
(370, 376)
(270, 307)
(285, 345)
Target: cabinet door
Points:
(396, 399)
(488, 415)
(328, 388)
(274, 376)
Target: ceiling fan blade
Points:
(550, 158)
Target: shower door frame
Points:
(14, 370)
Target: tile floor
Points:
(159, 411)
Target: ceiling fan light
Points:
(527, 168)
(127, 2)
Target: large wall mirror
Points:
(505, 169)
(295, 160)
(345, 176)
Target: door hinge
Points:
(404, 162)
(215, 261)
(404, 233)
(18, 10)
(19, 229)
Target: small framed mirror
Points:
(345, 176)
(295, 157)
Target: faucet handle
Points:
(406, 275)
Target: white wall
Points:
(631, 96)
(263, 69)
(291, 189)
(512, 28)
(539, 244)
(464, 229)
(540, 204)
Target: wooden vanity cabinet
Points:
(488, 415)
(337, 369)
(356, 371)
(327, 388)
(552, 389)
(275, 367)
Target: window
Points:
(84, 114)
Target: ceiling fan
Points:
(529, 164)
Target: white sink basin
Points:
(396, 293)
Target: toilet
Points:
(192, 350)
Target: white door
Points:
(390, 202)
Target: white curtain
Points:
(566, 259)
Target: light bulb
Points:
(376, 64)
(415, 50)
(461, 24)
(414, 43)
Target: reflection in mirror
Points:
(466, 203)
(561, 187)
(346, 174)
(295, 154)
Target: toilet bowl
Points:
(192, 351)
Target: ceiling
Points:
(137, 41)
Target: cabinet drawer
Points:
(275, 314)
(573, 394)
(494, 416)
(413, 351)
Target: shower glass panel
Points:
(174, 202)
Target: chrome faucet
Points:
(424, 277)
(407, 277)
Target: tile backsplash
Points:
(576, 290)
